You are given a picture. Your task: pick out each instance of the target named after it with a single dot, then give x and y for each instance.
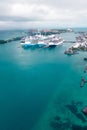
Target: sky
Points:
(24, 14)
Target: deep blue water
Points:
(29, 78)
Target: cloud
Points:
(37, 13)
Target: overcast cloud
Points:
(19, 14)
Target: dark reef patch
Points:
(57, 118)
(60, 124)
(78, 127)
(73, 107)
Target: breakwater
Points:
(10, 40)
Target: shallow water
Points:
(36, 84)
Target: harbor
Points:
(44, 38)
(79, 45)
(43, 65)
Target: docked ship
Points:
(41, 41)
(57, 41)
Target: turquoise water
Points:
(32, 80)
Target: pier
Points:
(69, 41)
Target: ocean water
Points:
(37, 84)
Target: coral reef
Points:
(78, 127)
(73, 107)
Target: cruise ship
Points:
(41, 41)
